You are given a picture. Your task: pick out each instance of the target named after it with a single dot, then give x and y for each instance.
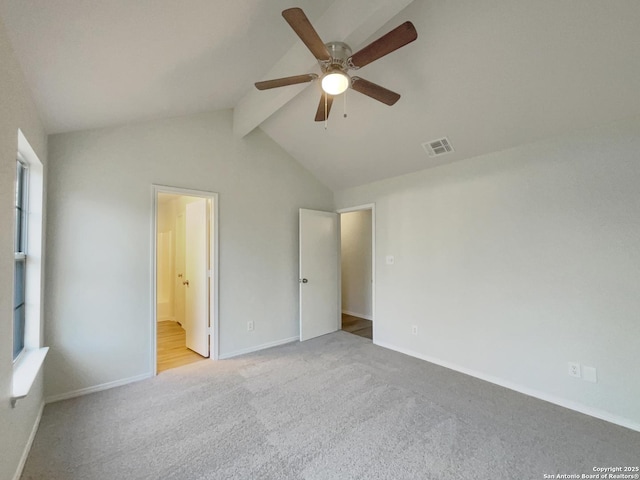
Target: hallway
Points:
(357, 326)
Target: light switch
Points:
(390, 260)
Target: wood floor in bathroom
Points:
(172, 349)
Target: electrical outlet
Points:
(250, 326)
(414, 329)
(589, 374)
(390, 260)
(574, 369)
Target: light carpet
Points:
(336, 407)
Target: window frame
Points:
(28, 363)
(21, 222)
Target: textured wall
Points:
(514, 263)
(16, 112)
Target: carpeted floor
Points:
(336, 407)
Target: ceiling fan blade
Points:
(296, 18)
(282, 82)
(321, 116)
(396, 38)
(374, 91)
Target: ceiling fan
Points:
(336, 59)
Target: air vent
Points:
(435, 148)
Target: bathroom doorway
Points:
(185, 277)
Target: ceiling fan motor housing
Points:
(339, 52)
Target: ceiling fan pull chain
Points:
(345, 103)
(326, 117)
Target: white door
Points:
(180, 271)
(319, 273)
(196, 278)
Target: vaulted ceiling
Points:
(487, 74)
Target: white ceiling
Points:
(95, 63)
(488, 74)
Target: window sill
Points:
(25, 372)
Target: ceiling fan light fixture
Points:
(335, 82)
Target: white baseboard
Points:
(359, 315)
(571, 405)
(27, 448)
(244, 351)
(96, 388)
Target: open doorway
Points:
(185, 273)
(357, 270)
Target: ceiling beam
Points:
(349, 21)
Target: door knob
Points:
(186, 282)
(304, 280)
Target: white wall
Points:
(355, 233)
(17, 111)
(100, 202)
(514, 263)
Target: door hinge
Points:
(209, 331)
(209, 273)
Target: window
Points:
(28, 352)
(20, 242)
